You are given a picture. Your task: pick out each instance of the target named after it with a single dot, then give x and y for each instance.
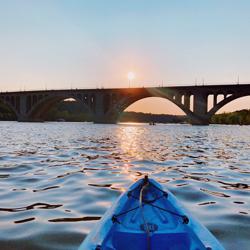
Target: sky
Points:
(57, 44)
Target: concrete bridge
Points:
(106, 105)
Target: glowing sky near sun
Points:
(93, 43)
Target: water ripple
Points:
(33, 206)
(87, 218)
(72, 172)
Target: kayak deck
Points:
(151, 221)
(145, 218)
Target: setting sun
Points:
(131, 76)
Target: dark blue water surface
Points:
(58, 179)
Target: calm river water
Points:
(58, 179)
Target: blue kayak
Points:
(148, 218)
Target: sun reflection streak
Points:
(131, 138)
(131, 143)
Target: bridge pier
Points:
(195, 120)
(187, 101)
(105, 118)
(200, 116)
(102, 108)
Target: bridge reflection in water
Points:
(106, 105)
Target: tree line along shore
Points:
(72, 111)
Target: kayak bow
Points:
(148, 218)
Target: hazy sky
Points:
(95, 43)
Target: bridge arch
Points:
(43, 104)
(225, 101)
(155, 105)
(236, 105)
(126, 101)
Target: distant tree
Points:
(241, 117)
(6, 113)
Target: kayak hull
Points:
(147, 217)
